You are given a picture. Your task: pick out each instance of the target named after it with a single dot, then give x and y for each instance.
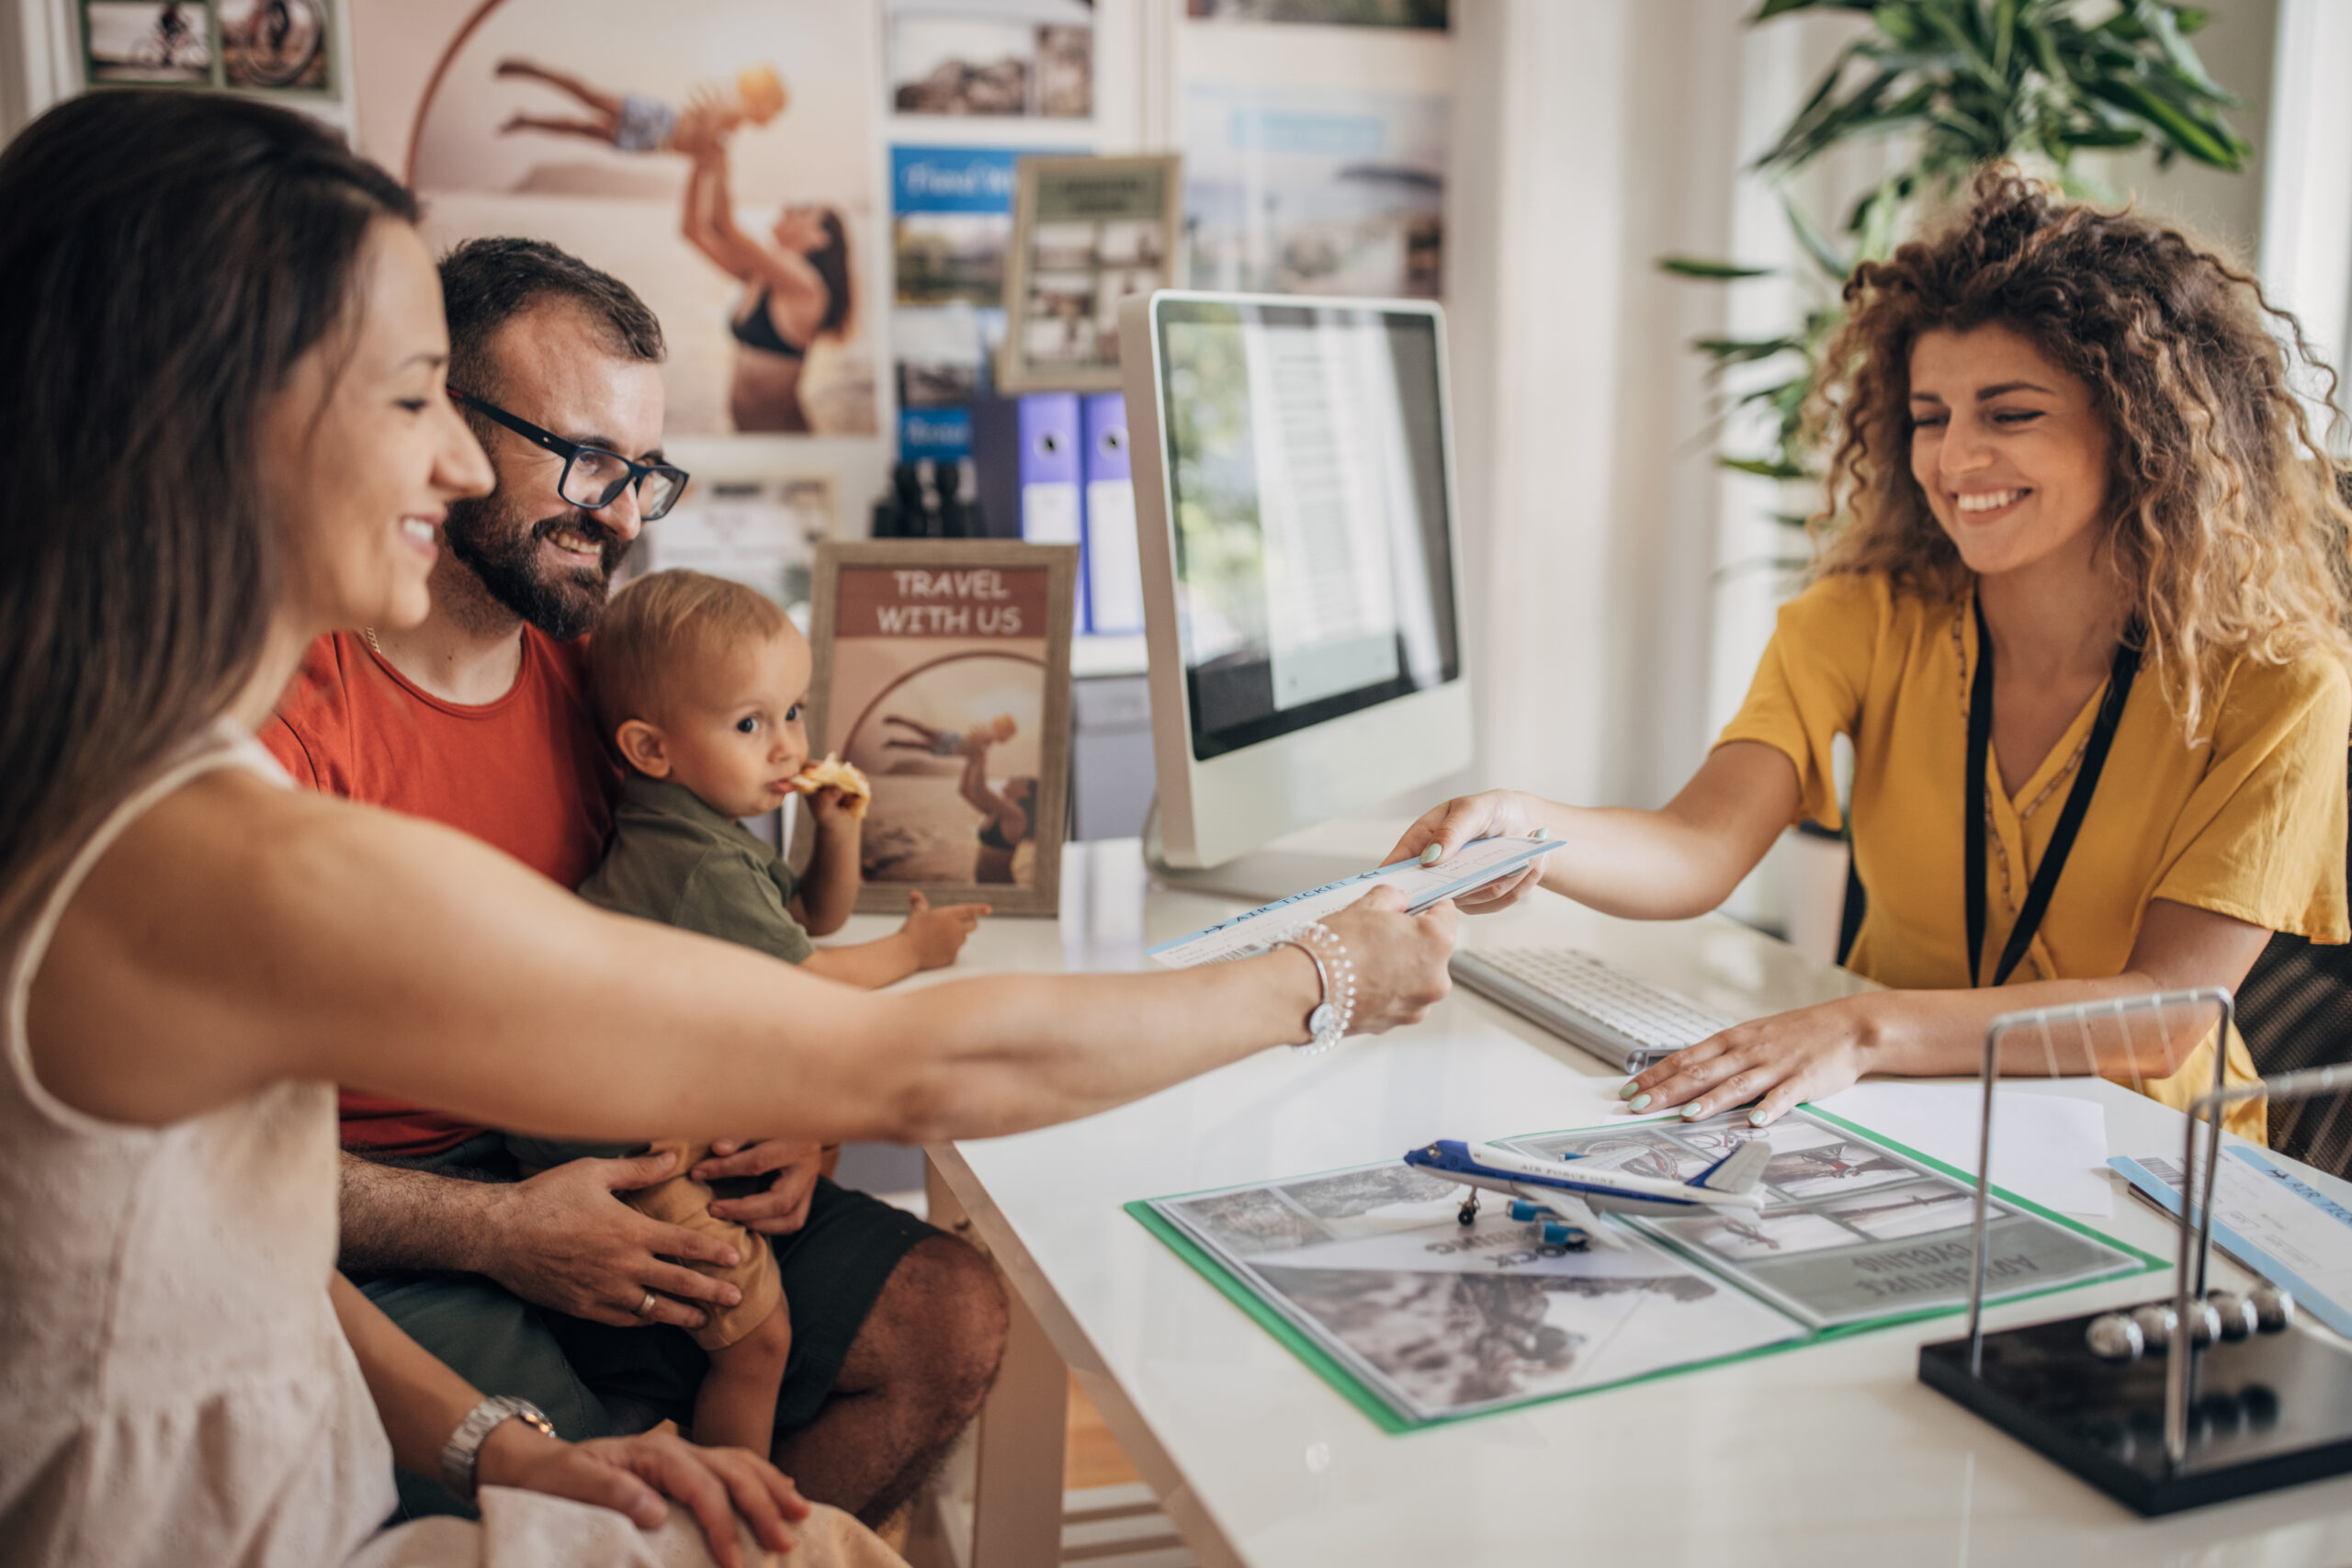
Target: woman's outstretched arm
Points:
(1011, 820)
(698, 222)
(1669, 864)
(241, 933)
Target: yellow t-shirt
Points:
(2248, 822)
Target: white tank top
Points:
(174, 1385)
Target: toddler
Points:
(700, 683)
(634, 123)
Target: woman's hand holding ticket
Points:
(1399, 958)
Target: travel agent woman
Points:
(2083, 620)
(221, 392)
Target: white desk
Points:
(1833, 1454)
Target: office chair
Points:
(2295, 1010)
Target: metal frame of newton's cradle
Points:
(2276, 1409)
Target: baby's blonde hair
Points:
(663, 623)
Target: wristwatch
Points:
(461, 1455)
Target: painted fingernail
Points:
(1757, 1118)
(1433, 854)
(1692, 1111)
(1631, 1088)
(1541, 833)
(1639, 1102)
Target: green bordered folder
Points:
(1368, 1276)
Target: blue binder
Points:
(1112, 565)
(1050, 505)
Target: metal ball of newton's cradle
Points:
(2274, 1309)
(2112, 1337)
(2238, 1313)
(2155, 1322)
(2204, 1322)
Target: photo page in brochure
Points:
(1369, 1275)
(1851, 1230)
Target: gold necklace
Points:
(373, 646)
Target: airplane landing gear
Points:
(1468, 1212)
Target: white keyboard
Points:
(1628, 1023)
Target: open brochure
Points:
(1246, 935)
(1370, 1277)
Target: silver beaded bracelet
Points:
(1329, 1023)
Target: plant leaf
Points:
(1744, 350)
(1763, 468)
(1692, 266)
(1771, 8)
(1816, 242)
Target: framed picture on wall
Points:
(250, 46)
(1087, 233)
(942, 673)
(276, 45)
(139, 43)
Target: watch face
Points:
(1320, 1021)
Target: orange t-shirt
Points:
(526, 774)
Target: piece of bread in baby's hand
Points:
(834, 773)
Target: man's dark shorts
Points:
(594, 1381)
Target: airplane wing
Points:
(1576, 1212)
(1739, 1171)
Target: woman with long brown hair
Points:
(2083, 619)
(222, 380)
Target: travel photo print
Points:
(1087, 233)
(1023, 58)
(943, 675)
(146, 45)
(716, 155)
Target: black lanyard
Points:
(2070, 820)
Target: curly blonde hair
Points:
(2224, 509)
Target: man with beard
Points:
(550, 1288)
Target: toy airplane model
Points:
(1573, 1188)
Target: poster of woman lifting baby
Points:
(942, 673)
(716, 155)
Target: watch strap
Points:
(461, 1455)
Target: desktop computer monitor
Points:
(1294, 478)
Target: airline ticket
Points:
(1245, 936)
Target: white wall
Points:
(2307, 209)
(1590, 138)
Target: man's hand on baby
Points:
(784, 1207)
(564, 1241)
(938, 935)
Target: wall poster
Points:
(716, 155)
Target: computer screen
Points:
(1305, 452)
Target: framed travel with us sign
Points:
(942, 673)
